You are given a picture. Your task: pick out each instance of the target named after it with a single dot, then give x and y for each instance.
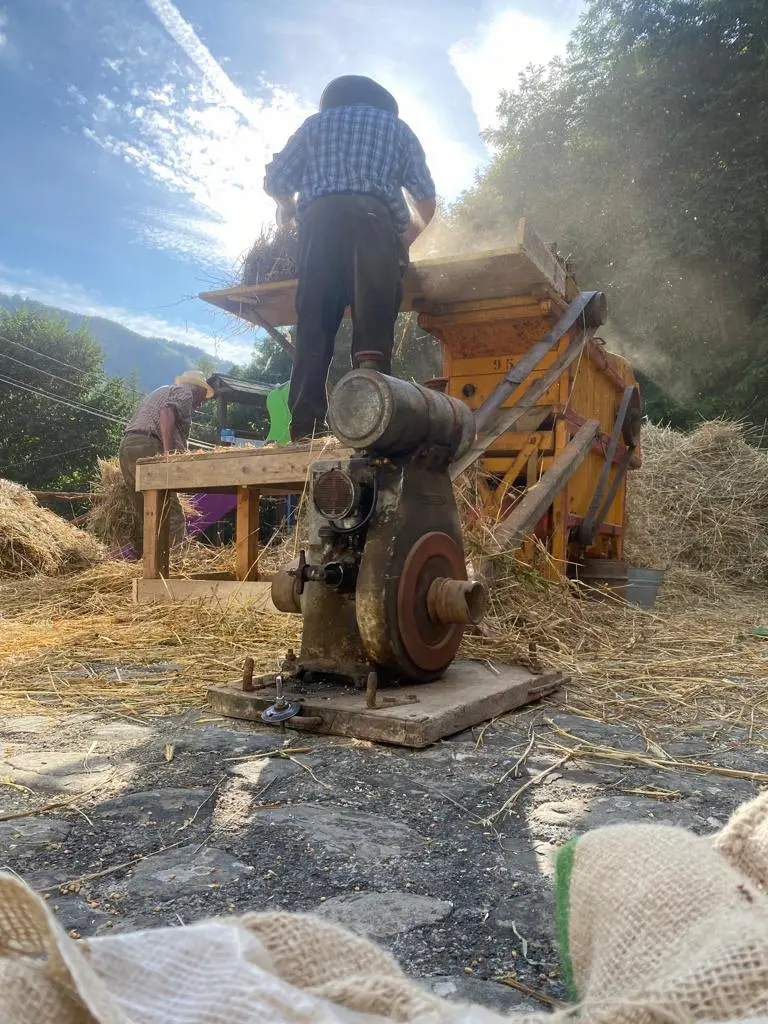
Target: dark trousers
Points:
(350, 254)
(132, 448)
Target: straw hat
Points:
(196, 379)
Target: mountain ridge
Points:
(152, 361)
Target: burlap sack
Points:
(656, 925)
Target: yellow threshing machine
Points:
(553, 408)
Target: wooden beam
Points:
(233, 469)
(285, 343)
(64, 495)
(527, 268)
(157, 535)
(539, 253)
(514, 471)
(515, 528)
(221, 414)
(218, 593)
(247, 533)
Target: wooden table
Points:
(247, 472)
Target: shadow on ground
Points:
(178, 818)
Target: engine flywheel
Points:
(431, 645)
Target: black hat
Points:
(352, 90)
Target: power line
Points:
(44, 458)
(134, 392)
(80, 408)
(62, 401)
(45, 355)
(69, 366)
(38, 369)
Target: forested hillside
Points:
(149, 362)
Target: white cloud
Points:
(204, 140)
(54, 291)
(3, 24)
(185, 36)
(498, 51)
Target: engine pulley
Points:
(430, 642)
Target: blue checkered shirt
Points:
(352, 149)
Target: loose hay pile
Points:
(272, 257)
(112, 516)
(700, 503)
(693, 658)
(35, 540)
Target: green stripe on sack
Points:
(563, 871)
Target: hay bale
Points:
(272, 257)
(700, 502)
(35, 540)
(112, 516)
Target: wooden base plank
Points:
(426, 712)
(217, 593)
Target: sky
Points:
(134, 133)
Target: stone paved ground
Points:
(395, 844)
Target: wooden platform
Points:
(278, 470)
(406, 716)
(218, 594)
(526, 268)
(248, 472)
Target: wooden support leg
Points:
(247, 533)
(157, 535)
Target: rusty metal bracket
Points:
(624, 427)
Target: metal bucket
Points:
(610, 576)
(643, 586)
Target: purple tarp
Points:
(211, 508)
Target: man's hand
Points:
(286, 211)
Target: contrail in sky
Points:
(185, 36)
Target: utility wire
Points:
(43, 458)
(62, 401)
(39, 369)
(78, 407)
(134, 392)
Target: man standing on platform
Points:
(160, 425)
(349, 165)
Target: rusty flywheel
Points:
(431, 645)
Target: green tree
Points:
(644, 154)
(52, 440)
